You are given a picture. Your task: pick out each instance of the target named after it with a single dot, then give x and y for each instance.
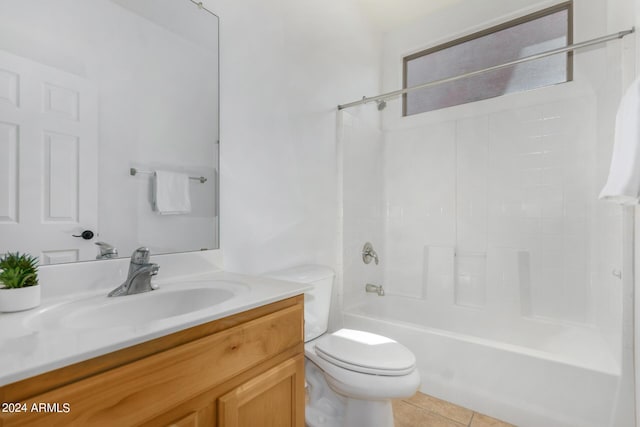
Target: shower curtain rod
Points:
(568, 48)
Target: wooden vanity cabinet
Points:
(243, 370)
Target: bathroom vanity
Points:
(246, 367)
(238, 362)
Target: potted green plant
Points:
(19, 288)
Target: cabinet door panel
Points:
(190, 420)
(203, 417)
(272, 399)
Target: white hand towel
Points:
(623, 184)
(171, 193)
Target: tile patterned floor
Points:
(423, 410)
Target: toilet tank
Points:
(317, 301)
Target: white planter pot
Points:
(18, 299)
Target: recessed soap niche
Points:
(499, 277)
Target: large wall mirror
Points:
(95, 97)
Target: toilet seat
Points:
(366, 353)
(360, 385)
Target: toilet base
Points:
(368, 413)
(326, 408)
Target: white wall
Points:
(285, 65)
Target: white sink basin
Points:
(101, 312)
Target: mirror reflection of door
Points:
(48, 161)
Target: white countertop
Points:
(26, 350)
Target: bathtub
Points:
(527, 371)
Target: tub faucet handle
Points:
(368, 254)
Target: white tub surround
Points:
(59, 334)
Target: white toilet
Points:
(351, 375)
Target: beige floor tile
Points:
(408, 415)
(442, 407)
(480, 420)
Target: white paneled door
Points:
(48, 161)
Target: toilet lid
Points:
(365, 352)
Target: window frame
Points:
(567, 5)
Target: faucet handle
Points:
(106, 250)
(140, 256)
(154, 271)
(368, 254)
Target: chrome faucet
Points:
(107, 251)
(139, 277)
(378, 289)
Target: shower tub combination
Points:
(527, 371)
(494, 252)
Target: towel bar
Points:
(134, 171)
